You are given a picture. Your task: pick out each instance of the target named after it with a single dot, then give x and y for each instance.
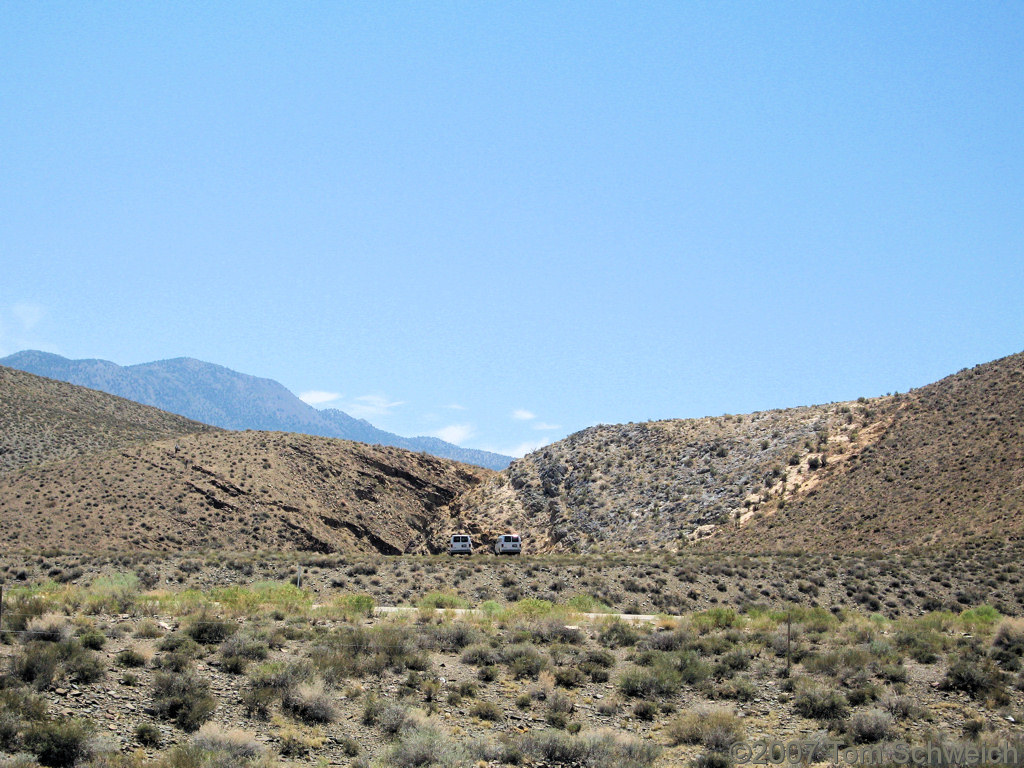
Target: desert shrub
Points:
(569, 677)
(603, 749)
(441, 600)
(37, 664)
(50, 628)
(21, 608)
(554, 631)
(394, 718)
(235, 746)
(977, 677)
(980, 618)
(480, 656)
(425, 746)
(712, 760)
(183, 697)
(112, 594)
(354, 605)
(372, 709)
(245, 645)
(716, 618)
(148, 735)
(871, 726)
(129, 657)
(487, 710)
(43, 663)
(616, 633)
(1008, 644)
(716, 729)
(18, 708)
(92, 639)
(674, 640)
(820, 703)
(208, 629)
(181, 643)
(600, 658)
(901, 707)
(352, 651)
(149, 630)
(646, 682)
(922, 645)
(646, 710)
(59, 743)
(310, 703)
(524, 661)
(739, 689)
(453, 636)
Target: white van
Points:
(460, 544)
(508, 544)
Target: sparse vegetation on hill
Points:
(524, 683)
(43, 420)
(238, 491)
(656, 485)
(935, 467)
(945, 468)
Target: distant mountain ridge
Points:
(219, 396)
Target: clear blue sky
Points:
(449, 215)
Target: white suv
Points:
(460, 544)
(508, 544)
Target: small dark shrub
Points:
(59, 743)
(183, 697)
(487, 710)
(820, 704)
(148, 735)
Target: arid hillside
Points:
(658, 485)
(947, 466)
(240, 491)
(44, 420)
(933, 467)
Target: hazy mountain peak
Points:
(217, 395)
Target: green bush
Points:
(716, 729)
(977, 677)
(870, 727)
(480, 656)
(441, 600)
(60, 743)
(425, 746)
(820, 703)
(616, 633)
(487, 710)
(310, 703)
(183, 697)
(92, 639)
(524, 661)
(602, 749)
(129, 657)
(148, 735)
(18, 708)
(208, 629)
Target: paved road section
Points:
(637, 617)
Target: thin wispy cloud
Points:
(520, 450)
(28, 314)
(371, 406)
(456, 433)
(17, 325)
(544, 425)
(522, 414)
(455, 407)
(318, 397)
